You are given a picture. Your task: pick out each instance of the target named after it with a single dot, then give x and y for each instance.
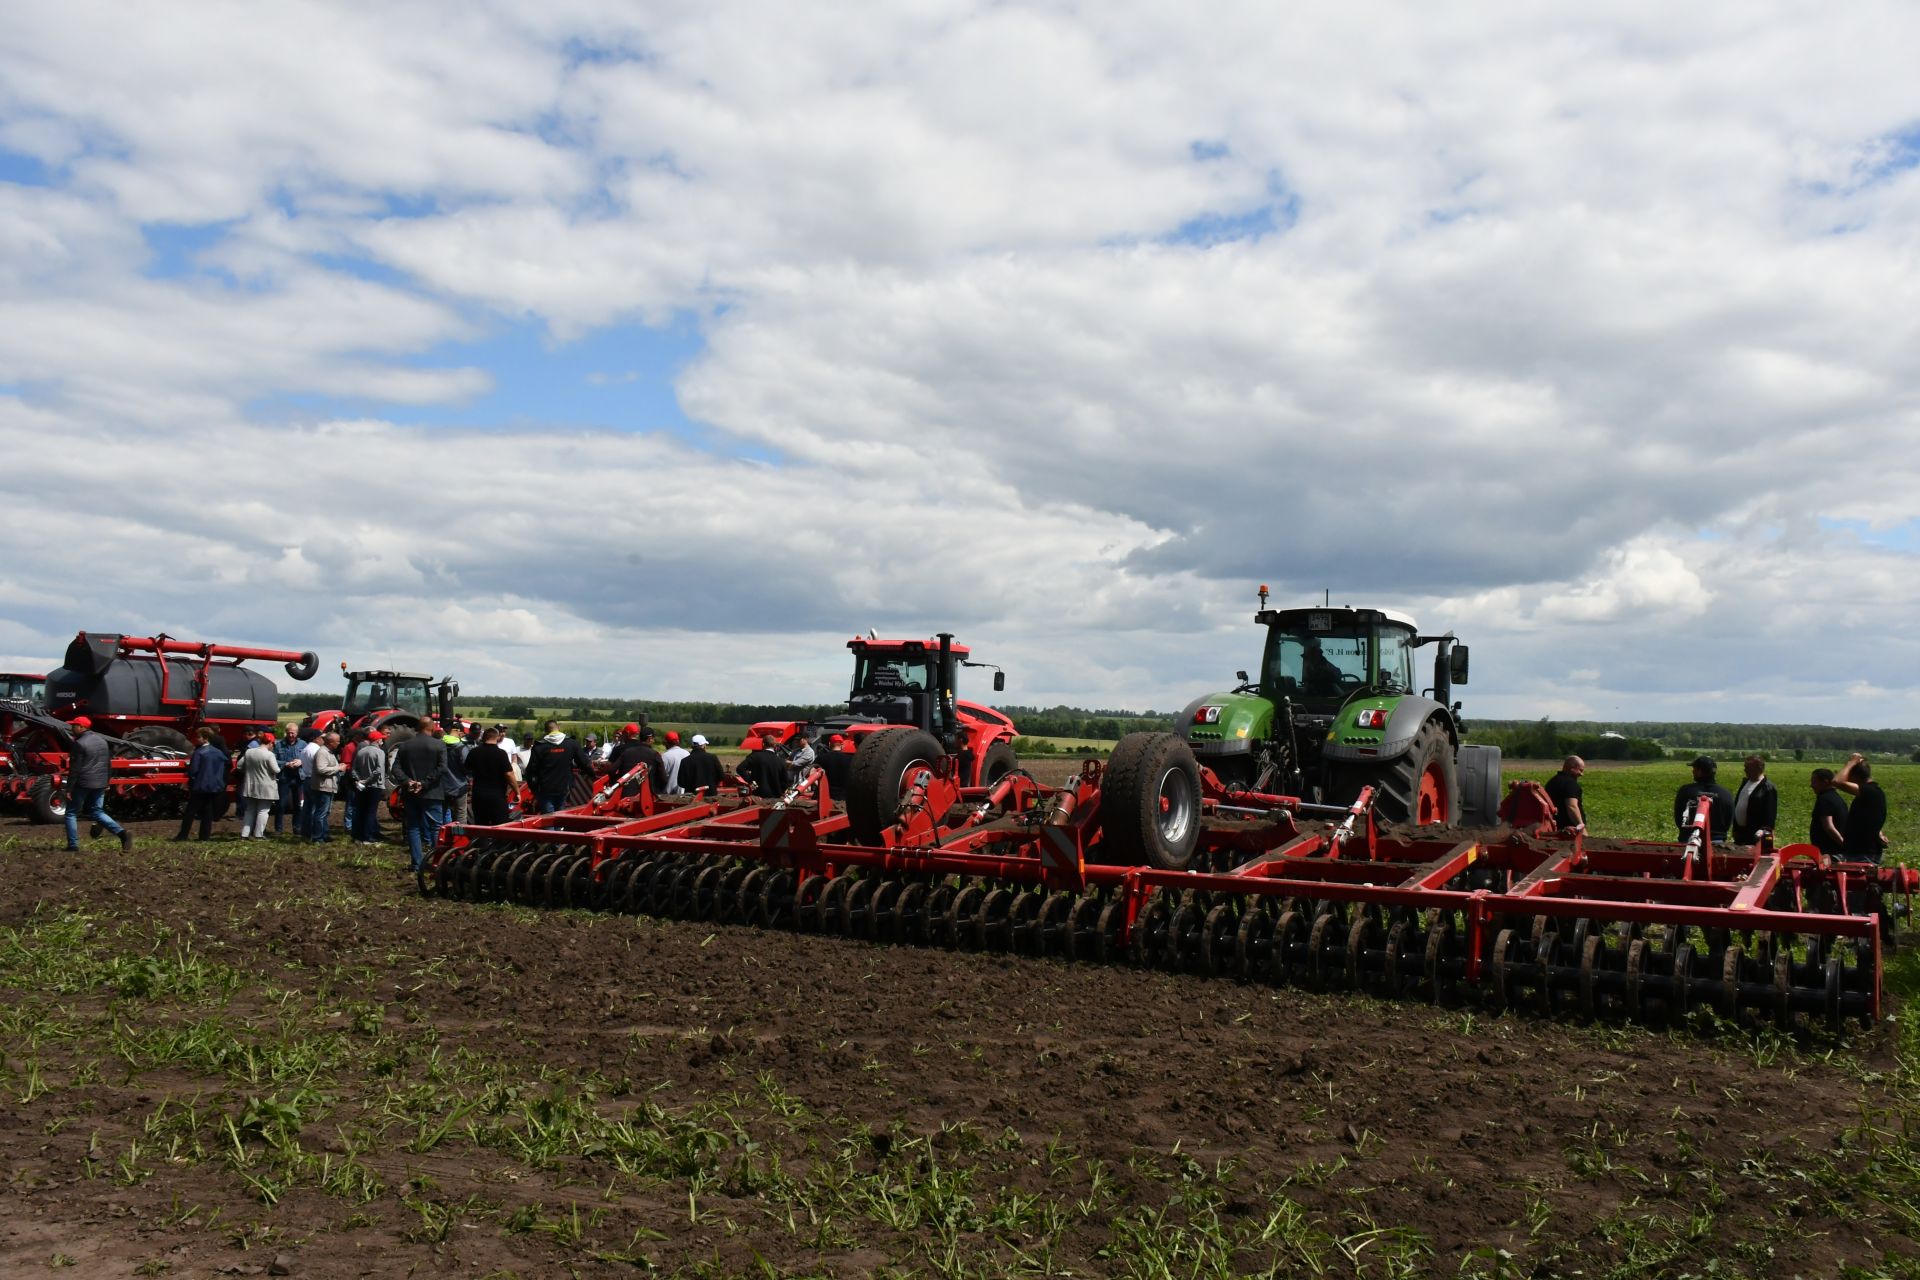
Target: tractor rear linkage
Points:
(1279, 891)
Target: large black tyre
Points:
(1419, 788)
(873, 785)
(997, 763)
(47, 802)
(1150, 802)
(163, 736)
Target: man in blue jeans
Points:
(418, 768)
(91, 767)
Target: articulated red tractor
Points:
(397, 703)
(904, 688)
(145, 695)
(18, 686)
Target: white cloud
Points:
(1565, 330)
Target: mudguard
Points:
(1226, 724)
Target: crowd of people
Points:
(1854, 832)
(293, 776)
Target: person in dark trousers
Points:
(490, 770)
(1756, 807)
(837, 763)
(1719, 816)
(1864, 832)
(418, 768)
(1828, 830)
(207, 770)
(1564, 789)
(369, 788)
(701, 772)
(551, 768)
(457, 785)
(765, 770)
(636, 747)
(89, 768)
(286, 749)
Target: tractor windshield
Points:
(23, 689)
(891, 673)
(382, 693)
(1396, 661)
(1308, 662)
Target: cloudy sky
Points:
(654, 349)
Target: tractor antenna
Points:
(1326, 597)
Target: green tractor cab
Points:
(1336, 708)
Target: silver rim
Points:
(1174, 806)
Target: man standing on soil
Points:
(1719, 815)
(418, 766)
(369, 783)
(259, 786)
(1757, 806)
(1865, 840)
(637, 748)
(490, 771)
(765, 770)
(206, 785)
(90, 766)
(1827, 833)
(701, 771)
(286, 751)
(1564, 789)
(326, 784)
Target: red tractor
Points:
(145, 695)
(397, 703)
(900, 687)
(18, 686)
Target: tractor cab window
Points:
(411, 696)
(1308, 663)
(1396, 660)
(891, 674)
(367, 695)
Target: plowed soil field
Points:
(263, 1059)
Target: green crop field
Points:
(1635, 801)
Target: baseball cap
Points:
(81, 722)
(673, 735)
(629, 728)
(646, 735)
(1705, 762)
(268, 734)
(699, 739)
(374, 735)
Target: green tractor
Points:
(1336, 708)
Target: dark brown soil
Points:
(1400, 1134)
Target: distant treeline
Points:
(1653, 739)
(1051, 722)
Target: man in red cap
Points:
(89, 767)
(636, 747)
(669, 784)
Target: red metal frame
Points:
(1303, 890)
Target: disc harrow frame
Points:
(1281, 891)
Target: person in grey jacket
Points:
(259, 786)
(419, 766)
(370, 788)
(326, 784)
(89, 767)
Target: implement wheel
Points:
(47, 802)
(1150, 802)
(883, 769)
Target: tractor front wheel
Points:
(1421, 788)
(997, 763)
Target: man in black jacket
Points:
(1867, 816)
(636, 747)
(89, 768)
(765, 770)
(1719, 816)
(551, 767)
(1757, 807)
(207, 770)
(701, 772)
(417, 768)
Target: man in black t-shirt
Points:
(636, 747)
(491, 772)
(765, 770)
(1866, 816)
(1564, 789)
(1828, 831)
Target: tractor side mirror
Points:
(999, 681)
(1241, 676)
(1458, 664)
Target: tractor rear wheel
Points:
(881, 768)
(1421, 788)
(1150, 802)
(997, 763)
(47, 802)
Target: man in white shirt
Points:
(670, 765)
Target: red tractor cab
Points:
(397, 703)
(18, 686)
(908, 684)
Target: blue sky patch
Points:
(24, 170)
(1278, 214)
(1899, 537)
(175, 248)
